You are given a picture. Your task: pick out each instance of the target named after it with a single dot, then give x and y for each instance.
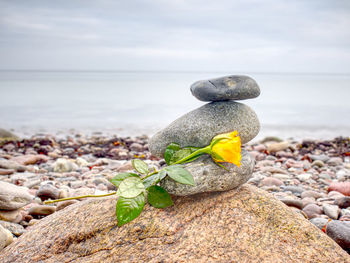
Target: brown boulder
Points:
(241, 225)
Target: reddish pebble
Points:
(270, 181)
(341, 187)
(292, 163)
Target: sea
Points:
(132, 103)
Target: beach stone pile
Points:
(197, 128)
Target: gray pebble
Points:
(340, 232)
(312, 210)
(321, 157)
(343, 202)
(331, 210)
(334, 161)
(47, 191)
(296, 190)
(226, 88)
(319, 222)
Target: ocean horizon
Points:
(291, 105)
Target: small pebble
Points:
(312, 210)
(41, 210)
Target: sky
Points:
(310, 36)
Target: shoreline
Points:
(284, 132)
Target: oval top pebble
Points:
(232, 87)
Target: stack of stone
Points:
(197, 128)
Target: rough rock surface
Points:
(209, 177)
(243, 225)
(13, 197)
(226, 88)
(198, 127)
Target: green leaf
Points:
(179, 174)
(162, 175)
(140, 166)
(150, 180)
(128, 209)
(169, 152)
(175, 153)
(130, 187)
(180, 154)
(116, 180)
(158, 197)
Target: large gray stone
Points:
(209, 177)
(13, 197)
(226, 88)
(198, 127)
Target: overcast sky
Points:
(229, 35)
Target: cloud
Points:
(188, 35)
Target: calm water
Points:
(311, 106)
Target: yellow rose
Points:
(227, 148)
(223, 148)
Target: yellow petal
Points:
(228, 148)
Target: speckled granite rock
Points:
(243, 225)
(199, 126)
(210, 177)
(226, 88)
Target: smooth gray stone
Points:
(319, 222)
(340, 232)
(226, 88)
(209, 177)
(47, 191)
(198, 127)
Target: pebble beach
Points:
(309, 176)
